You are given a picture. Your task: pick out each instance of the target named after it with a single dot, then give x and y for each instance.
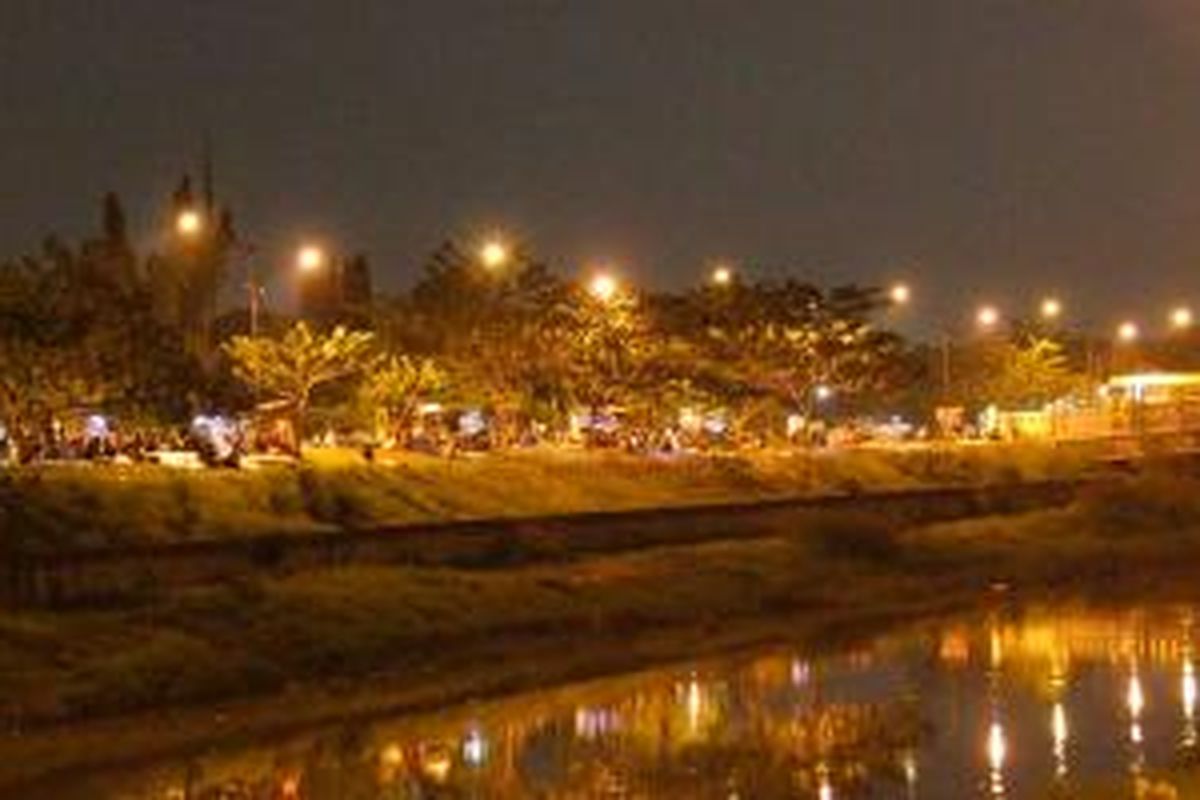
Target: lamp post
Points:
(987, 318)
(256, 291)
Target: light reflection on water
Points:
(1007, 706)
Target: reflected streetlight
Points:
(1059, 732)
(1188, 697)
(189, 223)
(310, 258)
(997, 751)
(1181, 318)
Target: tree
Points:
(397, 387)
(502, 334)
(289, 368)
(1028, 373)
(116, 232)
(766, 347)
(612, 350)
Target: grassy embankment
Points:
(82, 506)
(448, 633)
(243, 637)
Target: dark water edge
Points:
(1013, 699)
(32, 761)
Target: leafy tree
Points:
(396, 389)
(289, 368)
(500, 333)
(116, 231)
(1028, 373)
(770, 344)
(612, 349)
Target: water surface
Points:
(1003, 705)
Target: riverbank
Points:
(58, 507)
(445, 634)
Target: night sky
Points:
(985, 149)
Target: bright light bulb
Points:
(987, 317)
(189, 222)
(603, 287)
(310, 258)
(493, 254)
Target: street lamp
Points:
(493, 254)
(189, 223)
(987, 317)
(310, 258)
(1181, 318)
(722, 275)
(1128, 332)
(900, 294)
(1051, 309)
(603, 287)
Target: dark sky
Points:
(985, 148)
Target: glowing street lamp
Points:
(493, 254)
(1128, 332)
(987, 317)
(1051, 309)
(722, 276)
(603, 287)
(1181, 318)
(189, 223)
(310, 258)
(900, 294)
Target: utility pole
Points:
(255, 291)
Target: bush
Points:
(850, 535)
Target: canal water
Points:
(1029, 704)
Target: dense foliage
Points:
(103, 326)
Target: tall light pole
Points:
(256, 292)
(987, 318)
